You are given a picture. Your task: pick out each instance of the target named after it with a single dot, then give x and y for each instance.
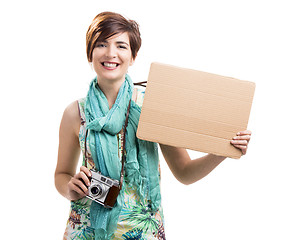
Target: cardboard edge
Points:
(253, 85)
(155, 140)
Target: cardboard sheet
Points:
(194, 109)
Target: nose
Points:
(111, 51)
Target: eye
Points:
(100, 45)
(122, 46)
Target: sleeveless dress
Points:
(136, 221)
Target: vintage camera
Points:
(103, 190)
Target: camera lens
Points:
(95, 190)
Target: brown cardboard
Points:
(194, 110)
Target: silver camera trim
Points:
(103, 183)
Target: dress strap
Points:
(81, 103)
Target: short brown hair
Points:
(108, 24)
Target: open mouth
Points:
(110, 65)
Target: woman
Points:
(95, 125)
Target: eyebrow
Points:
(121, 42)
(118, 42)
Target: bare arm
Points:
(185, 170)
(188, 171)
(67, 182)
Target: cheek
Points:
(94, 66)
(94, 62)
(97, 53)
(94, 55)
(128, 58)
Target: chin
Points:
(111, 78)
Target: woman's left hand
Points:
(241, 140)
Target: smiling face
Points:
(112, 57)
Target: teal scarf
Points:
(141, 166)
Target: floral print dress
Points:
(136, 220)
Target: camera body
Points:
(103, 190)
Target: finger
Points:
(243, 137)
(242, 148)
(80, 186)
(245, 132)
(86, 171)
(84, 178)
(239, 142)
(73, 187)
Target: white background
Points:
(44, 68)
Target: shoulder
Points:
(72, 110)
(71, 118)
(140, 93)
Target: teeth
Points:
(111, 65)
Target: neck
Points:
(110, 89)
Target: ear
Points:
(132, 61)
(91, 65)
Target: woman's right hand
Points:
(79, 183)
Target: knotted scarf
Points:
(141, 166)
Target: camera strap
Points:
(143, 84)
